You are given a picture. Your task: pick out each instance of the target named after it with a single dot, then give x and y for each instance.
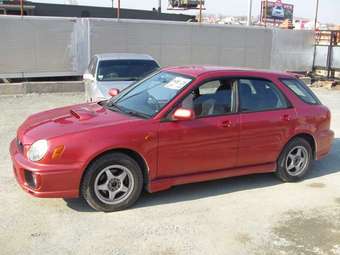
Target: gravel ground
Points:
(244, 215)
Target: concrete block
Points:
(12, 89)
(54, 87)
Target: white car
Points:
(116, 70)
(278, 12)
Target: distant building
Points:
(65, 10)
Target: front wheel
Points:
(112, 182)
(294, 161)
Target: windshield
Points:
(149, 96)
(125, 70)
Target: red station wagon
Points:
(179, 125)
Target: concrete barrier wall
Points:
(292, 50)
(38, 46)
(42, 46)
(188, 43)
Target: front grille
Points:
(20, 146)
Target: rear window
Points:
(301, 90)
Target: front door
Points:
(207, 143)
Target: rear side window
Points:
(260, 95)
(301, 90)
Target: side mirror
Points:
(183, 114)
(113, 92)
(88, 76)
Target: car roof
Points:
(197, 70)
(128, 56)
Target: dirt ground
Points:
(245, 215)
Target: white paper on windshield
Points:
(177, 83)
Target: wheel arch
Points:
(131, 153)
(309, 138)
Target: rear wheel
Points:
(294, 161)
(112, 182)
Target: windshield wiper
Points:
(137, 114)
(132, 78)
(114, 107)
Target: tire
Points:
(112, 182)
(288, 167)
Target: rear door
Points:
(266, 120)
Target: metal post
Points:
(159, 6)
(118, 10)
(113, 6)
(250, 6)
(316, 13)
(200, 17)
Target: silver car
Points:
(116, 70)
(278, 12)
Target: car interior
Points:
(215, 97)
(212, 98)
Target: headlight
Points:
(37, 150)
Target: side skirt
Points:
(168, 182)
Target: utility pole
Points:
(315, 35)
(316, 14)
(118, 10)
(250, 6)
(200, 17)
(265, 12)
(22, 7)
(159, 6)
(113, 6)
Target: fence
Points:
(42, 46)
(327, 53)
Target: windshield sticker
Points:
(177, 83)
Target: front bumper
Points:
(53, 181)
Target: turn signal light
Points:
(58, 151)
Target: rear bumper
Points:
(324, 143)
(53, 181)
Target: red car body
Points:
(170, 153)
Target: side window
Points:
(211, 98)
(260, 95)
(301, 90)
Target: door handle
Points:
(226, 124)
(286, 117)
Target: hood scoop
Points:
(83, 113)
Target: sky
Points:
(329, 10)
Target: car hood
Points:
(105, 86)
(67, 120)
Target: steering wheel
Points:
(155, 102)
